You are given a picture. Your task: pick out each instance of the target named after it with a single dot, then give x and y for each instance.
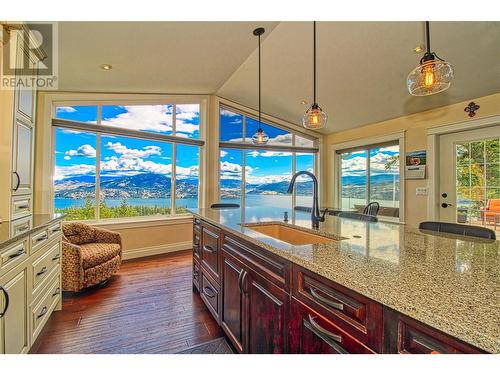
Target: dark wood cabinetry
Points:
(407, 336)
(351, 311)
(266, 304)
(266, 315)
(311, 333)
(232, 320)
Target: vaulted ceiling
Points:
(362, 66)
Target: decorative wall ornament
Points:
(472, 108)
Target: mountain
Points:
(152, 185)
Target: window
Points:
(140, 153)
(259, 175)
(370, 174)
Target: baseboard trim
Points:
(156, 250)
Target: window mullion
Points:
(174, 162)
(243, 177)
(97, 208)
(367, 176)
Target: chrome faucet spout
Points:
(316, 217)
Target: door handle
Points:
(6, 296)
(209, 292)
(444, 205)
(18, 180)
(240, 278)
(318, 329)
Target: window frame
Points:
(336, 176)
(246, 146)
(103, 130)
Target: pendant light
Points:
(432, 75)
(259, 138)
(314, 117)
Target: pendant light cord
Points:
(428, 37)
(314, 62)
(259, 89)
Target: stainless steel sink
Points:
(293, 236)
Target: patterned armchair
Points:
(89, 255)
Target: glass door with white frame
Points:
(470, 177)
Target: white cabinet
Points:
(22, 158)
(14, 308)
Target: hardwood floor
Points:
(148, 307)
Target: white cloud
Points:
(66, 171)
(223, 153)
(66, 109)
(157, 118)
(131, 153)
(268, 154)
(82, 151)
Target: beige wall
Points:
(151, 238)
(415, 127)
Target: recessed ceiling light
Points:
(303, 102)
(418, 49)
(106, 67)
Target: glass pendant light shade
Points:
(430, 77)
(314, 118)
(260, 138)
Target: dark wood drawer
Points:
(272, 267)
(197, 225)
(210, 250)
(407, 336)
(356, 314)
(210, 294)
(196, 275)
(311, 333)
(197, 245)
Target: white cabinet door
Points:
(14, 323)
(22, 159)
(25, 98)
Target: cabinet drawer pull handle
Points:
(54, 230)
(326, 301)
(22, 229)
(42, 238)
(42, 271)
(56, 257)
(18, 180)
(240, 278)
(43, 312)
(56, 292)
(6, 296)
(195, 273)
(320, 330)
(208, 248)
(209, 292)
(23, 207)
(17, 253)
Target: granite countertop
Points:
(449, 282)
(37, 222)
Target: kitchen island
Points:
(370, 287)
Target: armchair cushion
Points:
(97, 253)
(79, 233)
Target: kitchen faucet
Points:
(316, 217)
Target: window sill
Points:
(141, 222)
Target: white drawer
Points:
(20, 226)
(42, 267)
(21, 206)
(55, 230)
(41, 308)
(13, 255)
(39, 239)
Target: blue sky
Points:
(354, 164)
(76, 151)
